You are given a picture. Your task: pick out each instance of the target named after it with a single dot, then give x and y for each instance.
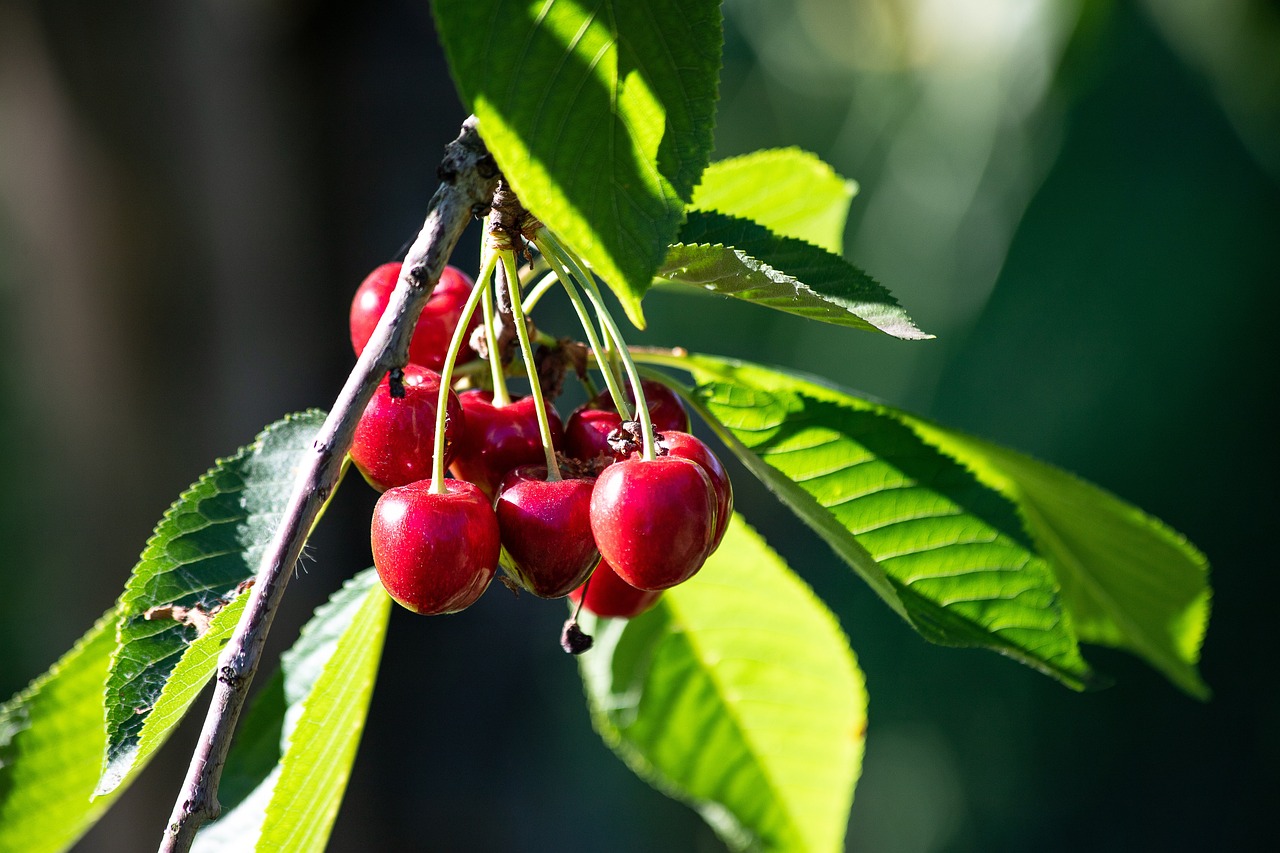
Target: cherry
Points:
(435, 327)
(653, 520)
(587, 430)
(394, 441)
(546, 530)
(690, 447)
(498, 439)
(610, 596)
(435, 553)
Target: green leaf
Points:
(789, 191)
(737, 257)
(1128, 580)
(51, 741)
(1118, 576)
(292, 758)
(208, 544)
(737, 693)
(599, 113)
(943, 549)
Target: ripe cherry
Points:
(546, 530)
(395, 438)
(435, 553)
(435, 327)
(609, 595)
(653, 520)
(690, 447)
(498, 439)
(588, 428)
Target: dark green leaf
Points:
(789, 191)
(287, 773)
(205, 547)
(51, 741)
(943, 549)
(738, 694)
(599, 113)
(737, 257)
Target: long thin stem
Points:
(469, 178)
(480, 291)
(501, 397)
(648, 452)
(526, 350)
(593, 340)
(539, 290)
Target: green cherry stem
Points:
(526, 350)
(501, 397)
(649, 452)
(593, 339)
(539, 290)
(446, 374)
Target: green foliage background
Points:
(188, 198)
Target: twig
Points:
(468, 178)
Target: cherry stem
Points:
(446, 373)
(539, 290)
(649, 452)
(526, 350)
(501, 396)
(593, 340)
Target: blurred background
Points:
(1080, 199)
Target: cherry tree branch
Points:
(468, 178)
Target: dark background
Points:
(1081, 199)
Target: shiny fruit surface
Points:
(546, 530)
(653, 520)
(395, 438)
(691, 447)
(498, 439)
(435, 553)
(610, 596)
(434, 331)
(587, 430)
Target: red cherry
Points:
(587, 430)
(435, 553)
(690, 447)
(653, 519)
(435, 327)
(498, 439)
(546, 530)
(395, 438)
(609, 595)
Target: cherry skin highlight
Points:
(435, 553)
(431, 337)
(653, 519)
(587, 431)
(498, 439)
(546, 530)
(395, 438)
(610, 596)
(691, 447)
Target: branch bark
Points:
(468, 178)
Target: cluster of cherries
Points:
(610, 527)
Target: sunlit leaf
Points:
(599, 113)
(51, 741)
(292, 757)
(789, 191)
(738, 694)
(943, 549)
(1097, 569)
(207, 545)
(740, 258)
